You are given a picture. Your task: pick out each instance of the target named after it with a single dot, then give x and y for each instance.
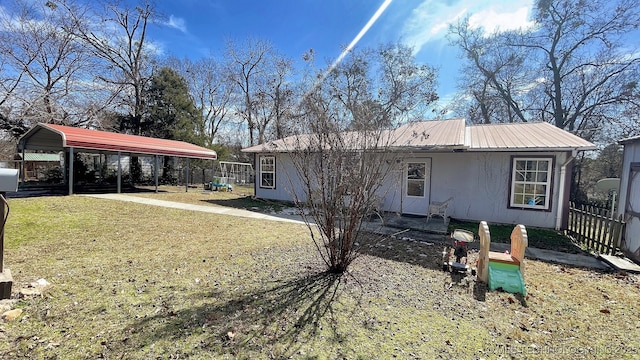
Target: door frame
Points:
(415, 205)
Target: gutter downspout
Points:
(563, 179)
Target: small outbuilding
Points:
(35, 165)
(54, 138)
(629, 200)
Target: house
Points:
(501, 173)
(629, 200)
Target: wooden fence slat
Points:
(600, 233)
(581, 224)
(595, 227)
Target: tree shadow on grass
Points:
(249, 203)
(276, 320)
(416, 251)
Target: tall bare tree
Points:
(43, 67)
(381, 87)
(277, 98)
(574, 68)
(117, 35)
(260, 76)
(341, 156)
(493, 77)
(212, 90)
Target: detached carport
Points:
(51, 137)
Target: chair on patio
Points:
(439, 208)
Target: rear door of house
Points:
(416, 186)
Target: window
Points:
(416, 178)
(531, 183)
(268, 172)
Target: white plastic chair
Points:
(439, 208)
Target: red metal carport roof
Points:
(57, 137)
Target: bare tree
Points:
(577, 64)
(494, 76)
(343, 156)
(117, 35)
(277, 98)
(630, 115)
(382, 87)
(43, 67)
(9, 81)
(212, 90)
(260, 77)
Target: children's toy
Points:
(220, 184)
(503, 270)
(460, 245)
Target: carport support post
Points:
(119, 181)
(186, 178)
(22, 168)
(155, 170)
(70, 171)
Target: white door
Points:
(415, 190)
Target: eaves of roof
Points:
(54, 137)
(454, 135)
(629, 140)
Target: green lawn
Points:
(139, 282)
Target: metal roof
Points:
(538, 136)
(51, 137)
(39, 157)
(454, 134)
(629, 140)
(435, 134)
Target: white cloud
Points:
(429, 21)
(177, 23)
(492, 21)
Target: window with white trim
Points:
(531, 183)
(268, 172)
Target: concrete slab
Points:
(6, 281)
(578, 260)
(202, 208)
(418, 223)
(621, 263)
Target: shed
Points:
(35, 165)
(55, 138)
(629, 200)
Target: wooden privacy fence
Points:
(595, 228)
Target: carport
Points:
(55, 138)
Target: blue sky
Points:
(196, 28)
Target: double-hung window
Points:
(268, 172)
(531, 182)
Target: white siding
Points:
(630, 196)
(477, 181)
(286, 180)
(480, 186)
(631, 154)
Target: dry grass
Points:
(139, 282)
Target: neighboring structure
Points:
(499, 173)
(35, 165)
(55, 138)
(629, 199)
